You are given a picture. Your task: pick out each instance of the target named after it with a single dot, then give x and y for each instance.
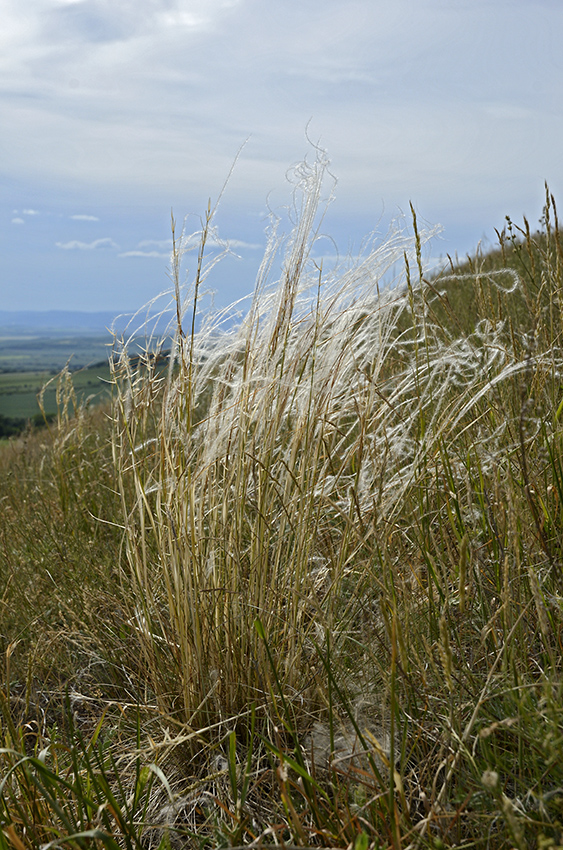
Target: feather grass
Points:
(336, 520)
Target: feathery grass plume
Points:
(254, 466)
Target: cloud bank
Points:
(76, 245)
(433, 96)
(126, 109)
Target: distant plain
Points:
(30, 357)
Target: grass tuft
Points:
(301, 581)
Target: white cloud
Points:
(193, 241)
(143, 104)
(150, 254)
(156, 243)
(238, 243)
(55, 29)
(396, 92)
(162, 247)
(18, 221)
(31, 212)
(85, 217)
(75, 245)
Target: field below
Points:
(19, 391)
(28, 350)
(32, 358)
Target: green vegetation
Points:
(304, 587)
(32, 396)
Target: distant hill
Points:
(45, 341)
(60, 320)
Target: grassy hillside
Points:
(305, 587)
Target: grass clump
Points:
(322, 601)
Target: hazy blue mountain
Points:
(45, 341)
(58, 320)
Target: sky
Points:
(115, 112)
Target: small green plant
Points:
(68, 792)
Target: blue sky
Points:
(115, 111)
